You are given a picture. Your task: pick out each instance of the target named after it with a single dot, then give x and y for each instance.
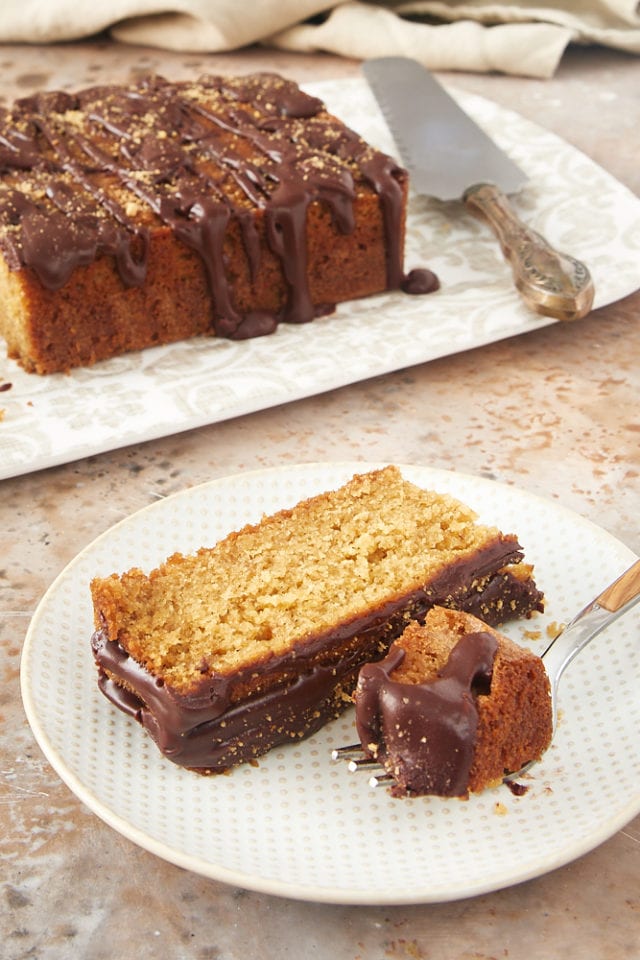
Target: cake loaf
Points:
(258, 640)
(453, 707)
(142, 215)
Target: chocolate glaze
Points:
(211, 727)
(420, 281)
(425, 733)
(196, 735)
(253, 144)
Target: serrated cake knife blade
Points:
(450, 157)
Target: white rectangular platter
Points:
(45, 421)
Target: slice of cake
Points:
(258, 640)
(453, 707)
(132, 216)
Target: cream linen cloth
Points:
(518, 37)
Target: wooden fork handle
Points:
(622, 590)
(614, 601)
(550, 282)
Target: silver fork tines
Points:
(379, 778)
(354, 765)
(346, 753)
(357, 762)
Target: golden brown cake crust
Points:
(141, 215)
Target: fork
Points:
(614, 601)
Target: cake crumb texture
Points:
(296, 574)
(259, 638)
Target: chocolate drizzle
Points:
(425, 733)
(108, 162)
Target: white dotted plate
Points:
(300, 825)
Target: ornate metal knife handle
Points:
(551, 283)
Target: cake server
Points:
(450, 157)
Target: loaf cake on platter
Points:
(132, 216)
(453, 707)
(258, 640)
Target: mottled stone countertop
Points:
(555, 412)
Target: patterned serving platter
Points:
(157, 392)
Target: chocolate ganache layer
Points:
(225, 720)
